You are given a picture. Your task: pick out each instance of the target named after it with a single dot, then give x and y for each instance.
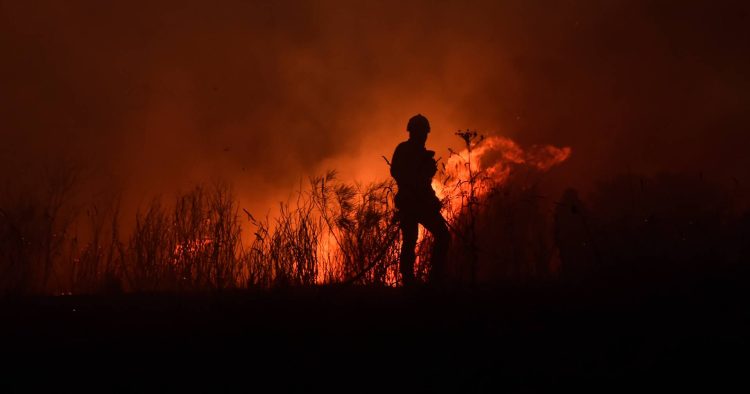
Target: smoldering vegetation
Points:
(332, 232)
(642, 279)
(155, 96)
(631, 229)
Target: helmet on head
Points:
(418, 123)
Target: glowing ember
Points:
(191, 249)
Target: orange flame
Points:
(488, 164)
(190, 249)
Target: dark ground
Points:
(589, 336)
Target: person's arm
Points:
(397, 170)
(430, 164)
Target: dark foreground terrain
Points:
(588, 336)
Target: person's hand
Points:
(433, 167)
(430, 163)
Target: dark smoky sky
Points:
(154, 96)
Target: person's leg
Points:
(435, 224)
(409, 234)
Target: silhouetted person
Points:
(413, 167)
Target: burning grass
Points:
(332, 232)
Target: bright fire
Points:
(471, 172)
(489, 164)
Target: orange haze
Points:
(150, 97)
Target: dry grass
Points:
(332, 232)
(338, 232)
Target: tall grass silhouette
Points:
(332, 232)
(503, 229)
